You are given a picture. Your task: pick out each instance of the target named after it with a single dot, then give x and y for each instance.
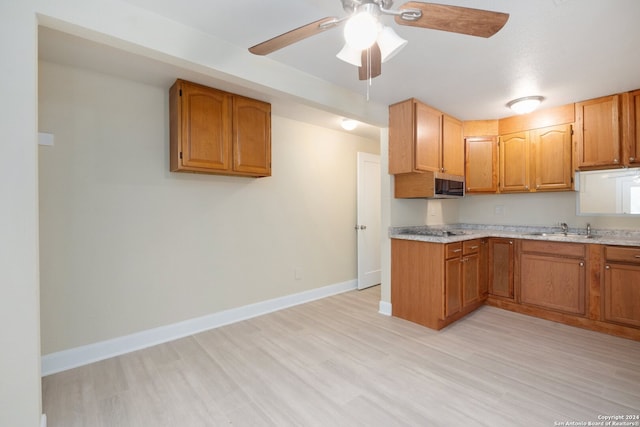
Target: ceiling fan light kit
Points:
(361, 30)
(377, 43)
(350, 55)
(526, 104)
(390, 43)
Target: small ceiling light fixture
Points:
(525, 105)
(349, 124)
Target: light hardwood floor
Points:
(337, 362)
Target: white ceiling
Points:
(564, 50)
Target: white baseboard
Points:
(43, 421)
(385, 308)
(79, 356)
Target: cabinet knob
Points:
(615, 160)
(607, 267)
(581, 264)
(632, 159)
(511, 242)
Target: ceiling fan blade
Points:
(371, 63)
(455, 19)
(290, 37)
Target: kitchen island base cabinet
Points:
(427, 282)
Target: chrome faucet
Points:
(565, 228)
(588, 231)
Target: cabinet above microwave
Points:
(428, 185)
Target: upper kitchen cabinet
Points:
(423, 139)
(537, 160)
(251, 136)
(552, 163)
(598, 133)
(514, 162)
(216, 132)
(631, 131)
(481, 164)
(452, 146)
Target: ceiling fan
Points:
(369, 43)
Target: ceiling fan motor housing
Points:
(350, 6)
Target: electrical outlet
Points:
(297, 274)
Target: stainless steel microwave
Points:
(447, 186)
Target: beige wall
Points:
(544, 209)
(127, 245)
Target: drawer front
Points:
(471, 246)
(453, 250)
(576, 250)
(623, 254)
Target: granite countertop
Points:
(459, 232)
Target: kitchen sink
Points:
(561, 234)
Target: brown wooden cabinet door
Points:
(481, 164)
(252, 136)
(631, 135)
(553, 282)
(453, 286)
(622, 294)
(401, 137)
(470, 279)
(501, 259)
(428, 138)
(598, 132)
(551, 151)
(452, 146)
(514, 162)
(206, 128)
(484, 268)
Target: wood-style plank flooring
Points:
(337, 362)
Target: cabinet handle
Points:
(636, 256)
(476, 247)
(457, 250)
(607, 267)
(526, 187)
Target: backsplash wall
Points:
(544, 209)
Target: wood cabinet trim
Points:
(563, 114)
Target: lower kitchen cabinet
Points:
(501, 265)
(553, 276)
(622, 285)
(587, 285)
(462, 276)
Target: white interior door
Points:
(368, 221)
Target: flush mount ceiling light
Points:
(349, 124)
(376, 43)
(525, 105)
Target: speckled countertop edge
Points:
(476, 231)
